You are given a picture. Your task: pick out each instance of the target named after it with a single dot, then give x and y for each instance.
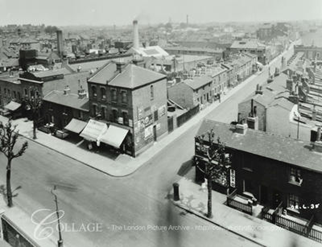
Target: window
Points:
(80, 115)
(103, 93)
(124, 97)
(156, 117)
(19, 96)
(94, 110)
(125, 118)
(115, 115)
(293, 201)
(103, 109)
(151, 92)
(114, 95)
(26, 92)
(94, 93)
(9, 92)
(295, 176)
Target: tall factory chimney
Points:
(135, 35)
(60, 46)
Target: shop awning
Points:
(93, 130)
(76, 126)
(12, 106)
(114, 136)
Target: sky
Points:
(122, 12)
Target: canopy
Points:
(76, 126)
(12, 106)
(114, 136)
(93, 130)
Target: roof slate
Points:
(267, 145)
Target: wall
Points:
(145, 111)
(182, 94)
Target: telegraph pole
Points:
(60, 240)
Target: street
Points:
(128, 208)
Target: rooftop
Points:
(198, 82)
(132, 76)
(247, 44)
(267, 145)
(69, 100)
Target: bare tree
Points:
(34, 105)
(8, 140)
(216, 165)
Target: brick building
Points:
(132, 100)
(278, 171)
(199, 90)
(253, 47)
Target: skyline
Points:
(99, 13)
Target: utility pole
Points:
(60, 240)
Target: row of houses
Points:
(207, 84)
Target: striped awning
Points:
(114, 136)
(93, 130)
(76, 126)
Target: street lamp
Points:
(60, 240)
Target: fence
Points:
(290, 225)
(315, 235)
(266, 215)
(187, 115)
(238, 205)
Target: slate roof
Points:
(70, 100)
(267, 145)
(264, 99)
(283, 103)
(74, 81)
(132, 76)
(247, 44)
(41, 74)
(198, 82)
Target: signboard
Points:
(161, 111)
(232, 178)
(148, 132)
(148, 120)
(140, 113)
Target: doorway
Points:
(264, 194)
(155, 133)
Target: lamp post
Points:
(60, 240)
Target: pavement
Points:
(122, 165)
(194, 200)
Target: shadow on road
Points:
(169, 218)
(185, 168)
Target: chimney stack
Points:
(66, 90)
(60, 45)
(120, 65)
(258, 89)
(135, 35)
(81, 93)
